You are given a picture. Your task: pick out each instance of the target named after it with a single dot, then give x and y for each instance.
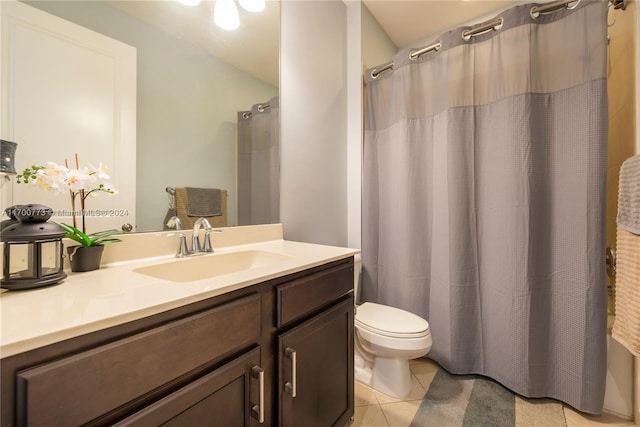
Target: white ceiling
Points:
(409, 21)
(253, 48)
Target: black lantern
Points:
(7, 157)
(32, 248)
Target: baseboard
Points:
(618, 414)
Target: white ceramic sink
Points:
(207, 266)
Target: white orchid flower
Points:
(109, 188)
(43, 182)
(100, 171)
(81, 179)
(77, 182)
(58, 178)
(53, 177)
(55, 170)
(103, 182)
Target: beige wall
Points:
(621, 86)
(622, 121)
(636, 406)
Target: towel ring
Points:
(610, 261)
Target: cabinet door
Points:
(231, 396)
(315, 365)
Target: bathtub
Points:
(618, 397)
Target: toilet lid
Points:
(390, 320)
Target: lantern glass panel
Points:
(21, 263)
(51, 257)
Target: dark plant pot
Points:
(84, 258)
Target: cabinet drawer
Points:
(80, 388)
(302, 296)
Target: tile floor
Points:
(373, 409)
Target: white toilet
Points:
(386, 339)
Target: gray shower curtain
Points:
(259, 164)
(484, 195)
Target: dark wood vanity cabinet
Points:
(315, 355)
(316, 380)
(230, 396)
(275, 353)
(84, 386)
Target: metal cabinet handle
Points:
(290, 386)
(258, 410)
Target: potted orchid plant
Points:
(79, 183)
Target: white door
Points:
(67, 90)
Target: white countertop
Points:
(115, 294)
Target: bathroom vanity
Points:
(272, 345)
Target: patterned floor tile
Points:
(369, 416)
(416, 393)
(400, 414)
(375, 409)
(424, 370)
(364, 395)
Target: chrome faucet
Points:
(195, 241)
(175, 223)
(196, 248)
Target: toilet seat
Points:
(390, 321)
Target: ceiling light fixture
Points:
(225, 15)
(252, 5)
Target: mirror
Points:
(195, 82)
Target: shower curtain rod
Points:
(553, 7)
(495, 25)
(261, 108)
(413, 55)
(483, 28)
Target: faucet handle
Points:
(207, 240)
(195, 243)
(183, 250)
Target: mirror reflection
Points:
(206, 112)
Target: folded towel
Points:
(629, 195)
(203, 202)
(188, 219)
(626, 326)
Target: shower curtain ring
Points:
(536, 11)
